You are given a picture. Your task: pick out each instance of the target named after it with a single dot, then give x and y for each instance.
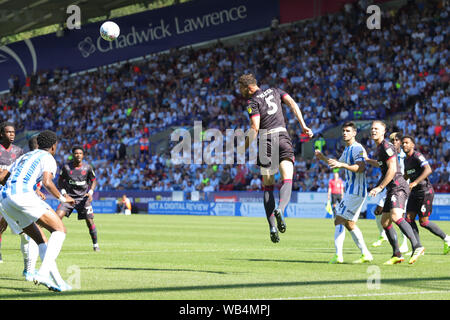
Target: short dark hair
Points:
(247, 79)
(5, 124)
(46, 139)
(410, 138)
(349, 124)
(77, 148)
(32, 142)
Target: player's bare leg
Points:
(269, 206)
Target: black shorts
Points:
(83, 207)
(266, 147)
(396, 199)
(421, 204)
(336, 198)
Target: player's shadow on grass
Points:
(406, 282)
(170, 270)
(279, 260)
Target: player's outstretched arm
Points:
(298, 114)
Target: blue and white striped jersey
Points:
(27, 172)
(355, 183)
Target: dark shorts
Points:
(336, 198)
(83, 207)
(421, 204)
(267, 155)
(395, 199)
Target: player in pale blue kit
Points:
(347, 212)
(22, 208)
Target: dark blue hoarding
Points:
(141, 34)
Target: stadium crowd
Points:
(334, 68)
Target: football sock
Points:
(33, 253)
(93, 233)
(24, 240)
(339, 237)
(359, 240)
(405, 227)
(434, 229)
(380, 227)
(285, 194)
(391, 234)
(414, 227)
(269, 205)
(54, 246)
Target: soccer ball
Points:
(109, 31)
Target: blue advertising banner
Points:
(99, 206)
(179, 207)
(141, 34)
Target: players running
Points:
(347, 213)
(420, 201)
(397, 191)
(77, 179)
(274, 143)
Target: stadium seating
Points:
(334, 71)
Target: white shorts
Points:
(380, 198)
(350, 207)
(22, 210)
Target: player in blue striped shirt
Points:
(22, 207)
(347, 213)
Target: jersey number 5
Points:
(272, 105)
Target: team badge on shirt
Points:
(389, 152)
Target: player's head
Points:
(396, 140)
(408, 144)
(47, 140)
(247, 84)
(377, 130)
(78, 153)
(7, 132)
(32, 143)
(349, 131)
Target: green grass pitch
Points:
(156, 257)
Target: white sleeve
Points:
(49, 165)
(358, 154)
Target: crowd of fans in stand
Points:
(334, 67)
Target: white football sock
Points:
(33, 253)
(24, 239)
(54, 246)
(358, 238)
(380, 227)
(339, 237)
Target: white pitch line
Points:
(359, 295)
